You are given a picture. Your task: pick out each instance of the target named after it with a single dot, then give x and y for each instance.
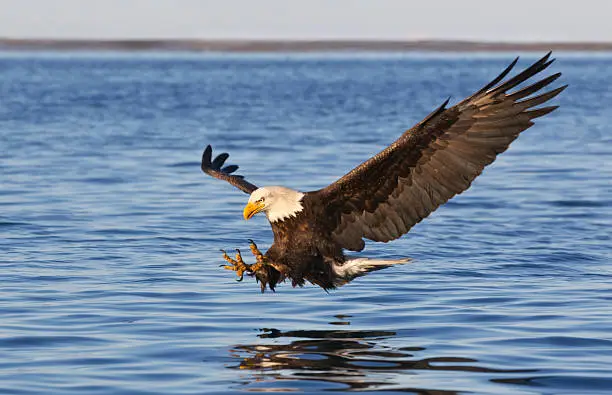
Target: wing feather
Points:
(384, 197)
(213, 168)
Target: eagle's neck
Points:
(287, 204)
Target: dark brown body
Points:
(303, 249)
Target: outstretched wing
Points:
(213, 168)
(438, 158)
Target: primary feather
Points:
(430, 163)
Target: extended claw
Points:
(239, 256)
(255, 251)
(237, 264)
(228, 259)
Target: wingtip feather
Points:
(207, 155)
(540, 112)
(229, 169)
(220, 160)
(524, 75)
(540, 99)
(435, 112)
(524, 92)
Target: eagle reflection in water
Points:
(355, 360)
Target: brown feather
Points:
(213, 168)
(382, 198)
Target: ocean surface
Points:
(110, 233)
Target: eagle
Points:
(385, 196)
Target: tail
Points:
(357, 267)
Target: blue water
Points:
(110, 233)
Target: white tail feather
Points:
(356, 267)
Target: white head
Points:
(277, 202)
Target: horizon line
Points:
(297, 45)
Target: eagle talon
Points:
(238, 265)
(255, 251)
(239, 256)
(228, 259)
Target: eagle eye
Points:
(261, 200)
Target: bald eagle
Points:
(385, 196)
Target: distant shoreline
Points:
(250, 46)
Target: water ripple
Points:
(109, 233)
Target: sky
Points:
(491, 20)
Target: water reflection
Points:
(347, 360)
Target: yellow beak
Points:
(251, 209)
